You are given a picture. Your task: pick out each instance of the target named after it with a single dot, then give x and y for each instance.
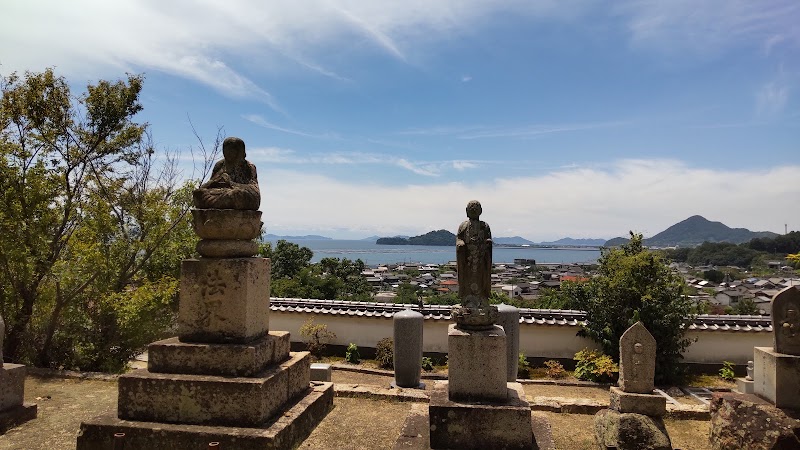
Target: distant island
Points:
(576, 242)
(438, 237)
(308, 237)
(694, 231)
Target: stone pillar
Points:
(508, 318)
(477, 364)
(408, 349)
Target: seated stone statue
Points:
(233, 183)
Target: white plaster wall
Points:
(544, 341)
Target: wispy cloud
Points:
(527, 131)
(260, 121)
(277, 155)
(771, 98)
(640, 195)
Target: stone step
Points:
(212, 399)
(292, 424)
(237, 360)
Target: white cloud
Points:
(640, 195)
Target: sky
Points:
(564, 118)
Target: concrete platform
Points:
(480, 425)
(210, 399)
(415, 434)
(287, 430)
(236, 360)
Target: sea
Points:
(374, 255)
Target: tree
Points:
(288, 258)
(746, 306)
(91, 230)
(634, 284)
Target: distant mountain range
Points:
(694, 231)
(576, 242)
(514, 240)
(308, 237)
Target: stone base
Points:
(226, 248)
(210, 399)
(17, 415)
(294, 423)
(630, 431)
(627, 402)
(477, 364)
(464, 425)
(236, 360)
(744, 421)
(224, 301)
(745, 386)
(12, 385)
(415, 434)
(776, 377)
(321, 372)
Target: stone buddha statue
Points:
(233, 183)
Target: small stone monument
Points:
(477, 408)
(746, 385)
(13, 409)
(777, 370)
(226, 377)
(509, 320)
(772, 415)
(408, 349)
(634, 418)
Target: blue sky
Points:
(564, 118)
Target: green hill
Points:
(694, 231)
(438, 237)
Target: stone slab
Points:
(463, 425)
(477, 364)
(224, 301)
(237, 360)
(211, 399)
(17, 415)
(407, 331)
(415, 434)
(12, 386)
(637, 360)
(321, 372)
(630, 431)
(226, 248)
(746, 421)
(776, 377)
(287, 430)
(745, 386)
(508, 318)
(653, 405)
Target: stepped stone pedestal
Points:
(225, 378)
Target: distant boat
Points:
(526, 245)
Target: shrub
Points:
(554, 369)
(726, 372)
(316, 336)
(523, 368)
(352, 356)
(594, 365)
(427, 364)
(384, 353)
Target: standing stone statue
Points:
(233, 183)
(474, 258)
(786, 321)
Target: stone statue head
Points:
(474, 209)
(233, 150)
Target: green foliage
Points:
(554, 369)
(523, 367)
(746, 306)
(287, 258)
(91, 228)
(633, 284)
(726, 372)
(781, 244)
(407, 293)
(714, 276)
(427, 364)
(316, 336)
(384, 353)
(352, 356)
(594, 365)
